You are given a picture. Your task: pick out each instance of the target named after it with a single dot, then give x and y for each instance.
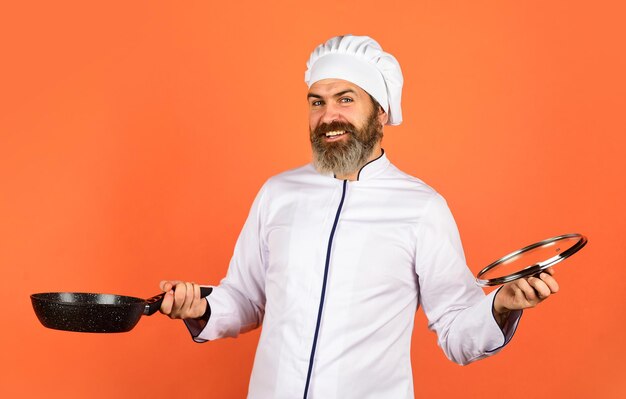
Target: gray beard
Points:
(344, 158)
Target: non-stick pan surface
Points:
(98, 313)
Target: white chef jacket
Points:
(394, 246)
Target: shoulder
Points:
(411, 186)
(294, 179)
(296, 174)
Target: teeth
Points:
(335, 133)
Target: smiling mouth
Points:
(336, 133)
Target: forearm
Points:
(474, 333)
(231, 313)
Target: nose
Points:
(331, 113)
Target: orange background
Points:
(134, 136)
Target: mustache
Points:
(324, 128)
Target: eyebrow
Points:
(341, 93)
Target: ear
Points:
(383, 117)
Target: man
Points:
(335, 257)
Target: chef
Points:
(336, 256)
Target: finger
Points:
(550, 271)
(541, 288)
(527, 290)
(550, 281)
(189, 292)
(201, 304)
(179, 297)
(196, 291)
(166, 285)
(168, 301)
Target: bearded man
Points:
(336, 256)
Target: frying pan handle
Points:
(153, 304)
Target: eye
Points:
(316, 103)
(345, 100)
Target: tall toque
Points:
(360, 60)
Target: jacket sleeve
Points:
(457, 309)
(238, 302)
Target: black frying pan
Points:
(98, 313)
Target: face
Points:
(344, 124)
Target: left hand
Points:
(524, 293)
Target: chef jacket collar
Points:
(373, 167)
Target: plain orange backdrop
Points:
(134, 136)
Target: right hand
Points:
(182, 300)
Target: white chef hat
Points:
(360, 60)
